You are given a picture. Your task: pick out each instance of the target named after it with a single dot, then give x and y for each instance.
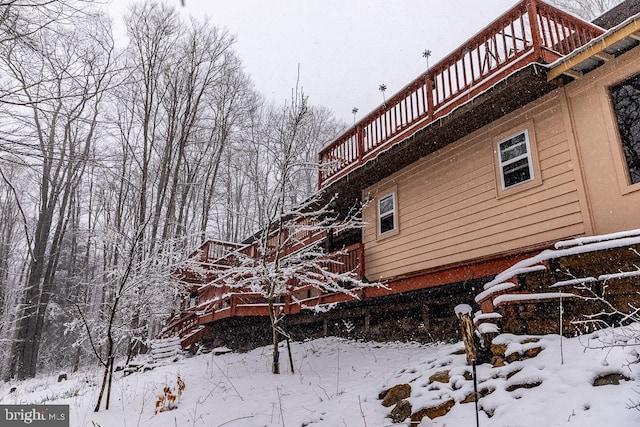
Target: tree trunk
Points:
(105, 376)
(275, 367)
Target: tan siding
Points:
(449, 210)
(452, 234)
(614, 203)
(443, 258)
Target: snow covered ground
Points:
(337, 383)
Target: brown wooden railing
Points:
(217, 302)
(530, 32)
(349, 259)
(180, 324)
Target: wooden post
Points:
(360, 141)
(425, 317)
(463, 311)
(367, 322)
(325, 327)
(320, 172)
(532, 11)
(429, 94)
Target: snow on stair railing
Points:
(513, 272)
(509, 298)
(502, 287)
(581, 241)
(573, 282)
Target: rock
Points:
(512, 373)
(531, 353)
(433, 412)
(400, 412)
(489, 412)
(497, 362)
(13, 389)
(528, 340)
(498, 349)
(486, 391)
(62, 377)
(512, 357)
(513, 387)
(441, 377)
(609, 379)
(482, 393)
(471, 398)
(467, 375)
(395, 394)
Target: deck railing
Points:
(217, 302)
(530, 32)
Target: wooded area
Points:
(116, 162)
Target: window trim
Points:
(504, 163)
(394, 211)
(620, 160)
(532, 159)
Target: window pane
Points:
(516, 172)
(513, 147)
(513, 151)
(386, 223)
(386, 204)
(386, 208)
(626, 104)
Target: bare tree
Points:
(21, 19)
(10, 220)
(293, 256)
(58, 80)
(587, 9)
(136, 288)
(291, 246)
(181, 104)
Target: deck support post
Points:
(425, 317)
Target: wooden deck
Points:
(530, 32)
(216, 302)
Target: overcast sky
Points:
(345, 48)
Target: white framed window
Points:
(387, 213)
(515, 161)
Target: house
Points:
(526, 135)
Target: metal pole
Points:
(290, 356)
(561, 330)
(475, 391)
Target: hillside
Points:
(337, 383)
